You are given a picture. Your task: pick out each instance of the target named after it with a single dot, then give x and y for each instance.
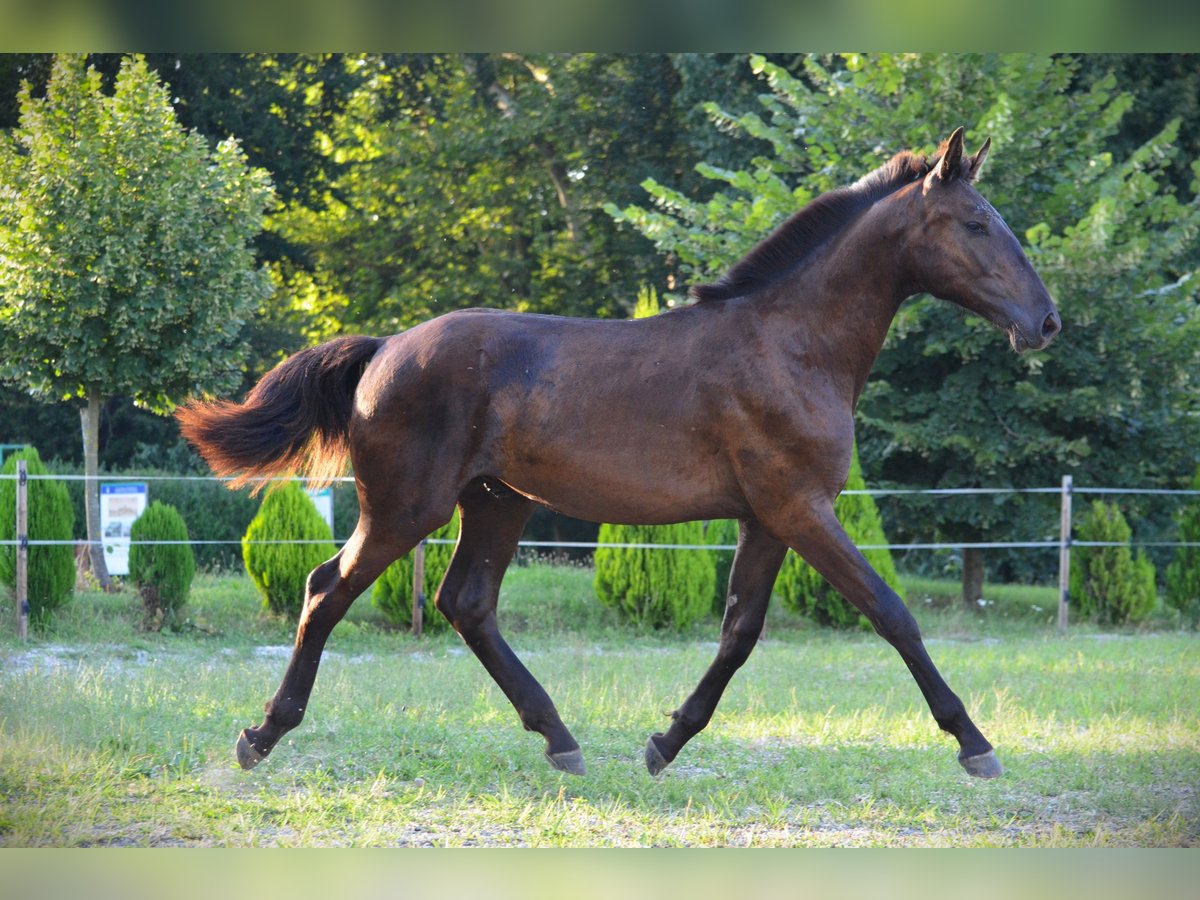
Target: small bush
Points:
(1183, 574)
(1110, 583)
(804, 591)
(51, 578)
(656, 588)
(721, 532)
(393, 589)
(162, 572)
(280, 570)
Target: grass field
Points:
(113, 737)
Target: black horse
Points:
(740, 405)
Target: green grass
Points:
(110, 736)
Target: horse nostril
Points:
(1051, 326)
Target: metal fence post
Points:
(22, 573)
(1064, 555)
(418, 610)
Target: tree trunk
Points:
(972, 576)
(90, 419)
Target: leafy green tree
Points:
(284, 542)
(164, 571)
(1114, 401)
(1110, 583)
(803, 590)
(51, 572)
(127, 268)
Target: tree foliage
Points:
(51, 569)
(126, 265)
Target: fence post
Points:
(1064, 555)
(418, 594)
(22, 579)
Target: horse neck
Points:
(838, 306)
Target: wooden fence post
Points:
(1064, 555)
(418, 600)
(22, 585)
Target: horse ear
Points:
(947, 168)
(978, 158)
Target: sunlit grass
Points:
(109, 736)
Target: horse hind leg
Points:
(332, 587)
(755, 566)
(491, 526)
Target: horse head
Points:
(968, 255)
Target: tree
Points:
(1115, 400)
(126, 267)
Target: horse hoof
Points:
(569, 761)
(247, 756)
(655, 761)
(985, 765)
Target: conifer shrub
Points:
(1183, 573)
(656, 588)
(722, 532)
(162, 572)
(1110, 584)
(280, 570)
(803, 590)
(394, 588)
(51, 570)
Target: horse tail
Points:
(295, 420)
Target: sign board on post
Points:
(120, 505)
(323, 501)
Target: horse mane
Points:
(805, 231)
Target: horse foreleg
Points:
(755, 566)
(823, 542)
(331, 588)
(491, 527)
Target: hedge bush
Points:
(656, 588)
(1110, 583)
(721, 532)
(803, 590)
(280, 571)
(51, 572)
(1183, 574)
(162, 572)
(393, 589)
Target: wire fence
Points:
(1063, 542)
(1047, 543)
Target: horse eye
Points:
(977, 227)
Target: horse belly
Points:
(615, 477)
